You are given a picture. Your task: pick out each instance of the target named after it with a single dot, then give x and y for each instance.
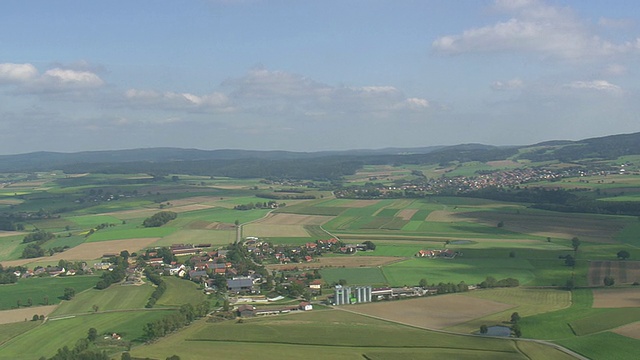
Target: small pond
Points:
(460, 242)
(498, 331)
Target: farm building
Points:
(240, 284)
(351, 295)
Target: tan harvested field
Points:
(198, 236)
(89, 251)
(502, 163)
(209, 225)
(630, 330)
(10, 233)
(19, 315)
(10, 201)
(435, 312)
(623, 272)
(264, 230)
(587, 228)
(28, 184)
(293, 219)
(406, 214)
(616, 298)
(134, 214)
(442, 216)
(350, 261)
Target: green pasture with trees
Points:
(42, 291)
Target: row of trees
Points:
(491, 282)
(114, 276)
(175, 321)
(161, 287)
(159, 219)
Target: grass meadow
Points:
(180, 292)
(39, 341)
(37, 289)
(354, 276)
(332, 334)
(115, 297)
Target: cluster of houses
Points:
(438, 253)
(265, 252)
(48, 271)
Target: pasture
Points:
(339, 262)
(328, 334)
(115, 297)
(175, 295)
(526, 302)
(38, 341)
(37, 289)
(354, 276)
(471, 271)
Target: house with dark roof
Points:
(240, 284)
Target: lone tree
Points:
(69, 293)
(609, 281)
(575, 244)
(484, 329)
(515, 317)
(623, 255)
(92, 334)
(423, 283)
(570, 284)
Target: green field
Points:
(354, 276)
(333, 334)
(180, 292)
(37, 289)
(115, 297)
(38, 342)
(471, 271)
(527, 302)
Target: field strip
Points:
(630, 330)
(616, 298)
(435, 312)
(26, 313)
(292, 219)
(140, 213)
(89, 251)
(543, 342)
(10, 233)
(350, 261)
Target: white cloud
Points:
(16, 73)
(27, 79)
(597, 85)
(513, 84)
(65, 78)
(535, 27)
(177, 101)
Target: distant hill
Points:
(324, 164)
(608, 147)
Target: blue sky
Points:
(314, 75)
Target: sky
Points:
(305, 75)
